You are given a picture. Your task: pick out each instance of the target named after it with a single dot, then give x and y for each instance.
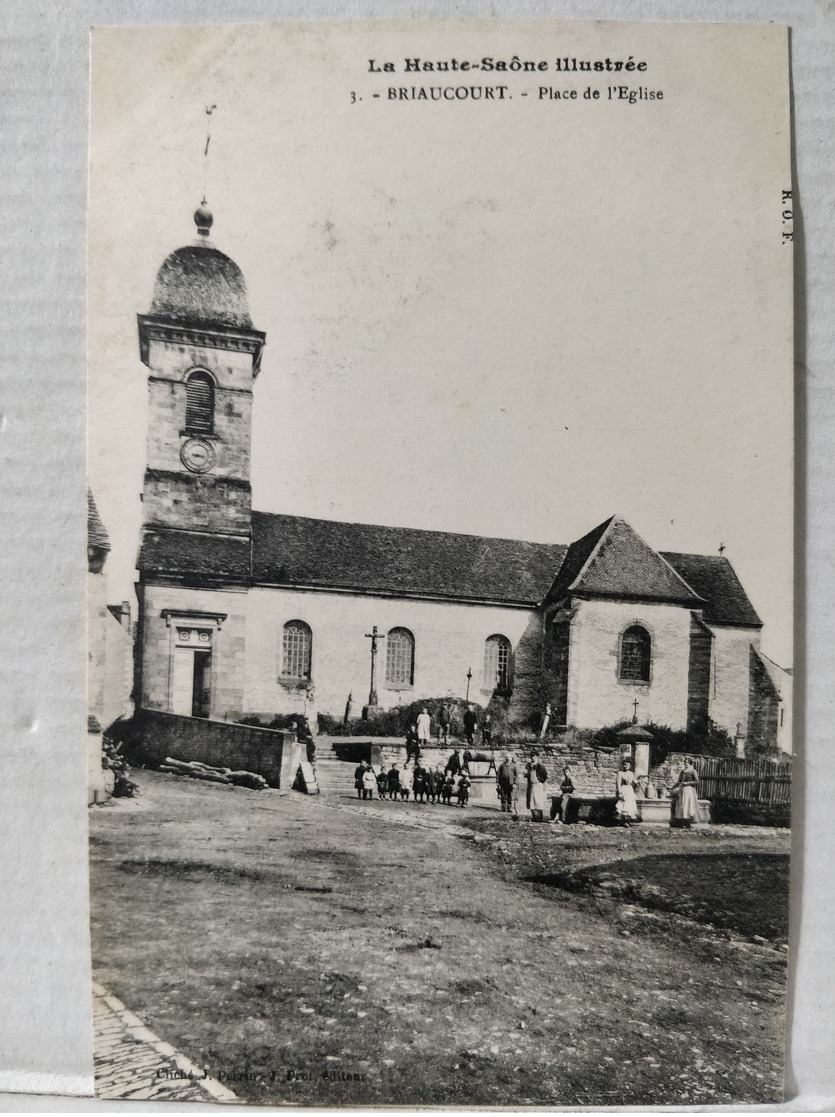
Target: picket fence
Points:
(744, 781)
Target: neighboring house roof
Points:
(296, 550)
(778, 676)
(291, 551)
(96, 532)
(613, 561)
(714, 579)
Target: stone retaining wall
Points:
(270, 753)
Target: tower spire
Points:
(203, 218)
(209, 110)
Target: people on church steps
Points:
(444, 723)
(470, 720)
(424, 727)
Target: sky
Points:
(511, 318)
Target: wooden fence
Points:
(744, 781)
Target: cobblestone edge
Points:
(133, 1025)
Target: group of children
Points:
(427, 785)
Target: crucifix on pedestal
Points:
(469, 676)
(373, 636)
(635, 712)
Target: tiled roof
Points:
(613, 561)
(96, 532)
(300, 551)
(201, 286)
(186, 552)
(296, 550)
(714, 579)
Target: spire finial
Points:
(203, 218)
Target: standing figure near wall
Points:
(685, 794)
(506, 780)
(626, 804)
(536, 775)
(444, 723)
(423, 727)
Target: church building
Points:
(248, 613)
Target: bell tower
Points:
(203, 355)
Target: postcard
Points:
(440, 562)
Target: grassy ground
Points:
(306, 951)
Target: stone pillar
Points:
(641, 758)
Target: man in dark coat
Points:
(412, 743)
(358, 774)
(487, 730)
(455, 763)
(470, 722)
(506, 778)
(444, 723)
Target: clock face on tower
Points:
(197, 455)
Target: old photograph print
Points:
(440, 563)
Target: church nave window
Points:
(296, 650)
(200, 403)
(400, 657)
(635, 654)
(496, 663)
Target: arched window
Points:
(296, 647)
(400, 657)
(496, 663)
(200, 403)
(635, 654)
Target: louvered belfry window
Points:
(496, 663)
(400, 657)
(635, 654)
(200, 403)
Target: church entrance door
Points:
(201, 694)
(191, 676)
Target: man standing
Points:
(487, 731)
(423, 727)
(358, 777)
(566, 791)
(444, 722)
(505, 782)
(470, 722)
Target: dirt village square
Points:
(329, 950)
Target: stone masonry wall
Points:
(594, 772)
(270, 753)
(228, 646)
(597, 696)
(699, 675)
(197, 503)
(763, 709)
(449, 639)
(729, 697)
(231, 371)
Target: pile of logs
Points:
(199, 771)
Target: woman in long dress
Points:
(685, 793)
(626, 804)
(537, 774)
